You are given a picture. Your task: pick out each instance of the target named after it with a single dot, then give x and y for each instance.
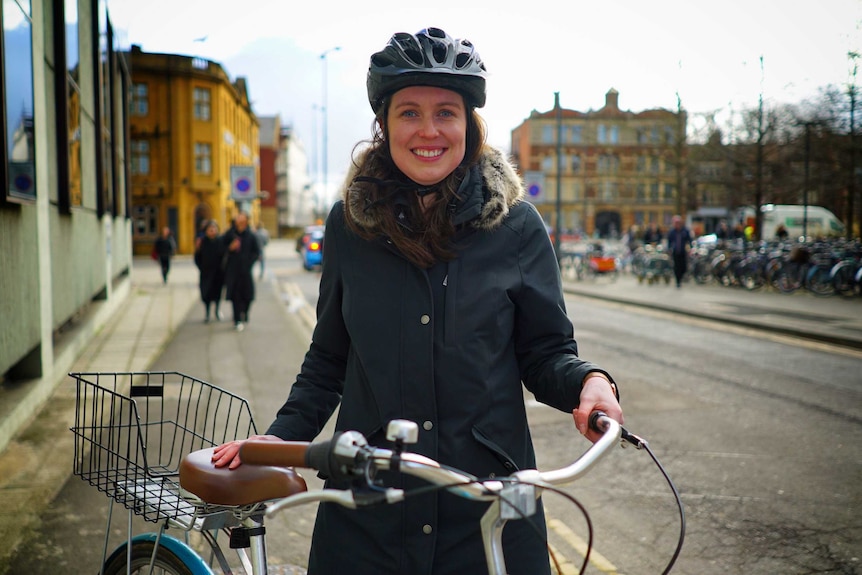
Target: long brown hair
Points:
(428, 237)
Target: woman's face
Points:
(427, 132)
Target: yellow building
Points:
(614, 168)
(189, 125)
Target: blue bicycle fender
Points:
(186, 554)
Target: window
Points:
(72, 195)
(202, 104)
(140, 157)
(668, 193)
(203, 158)
(575, 135)
(641, 164)
(608, 164)
(18, 150)
(653, 165)
(614, 136)
(669, 135)
(139, 104)
(575, 163)
(104, 63)
(653, 192)
(146, 220)
(547, 164)
(602, 134)
(641, 194)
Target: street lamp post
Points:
(324, 160)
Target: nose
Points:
(428, 128)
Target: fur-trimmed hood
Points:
(502, 186)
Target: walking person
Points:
(163, 250)
(440, 300)
(210, 255)
(242, 251)
(678, 244)
(262, 240)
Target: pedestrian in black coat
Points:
(242, 251)
(678, 244)
(163, 250)
(440, 300)
(210, 252)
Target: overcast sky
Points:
(707, 52)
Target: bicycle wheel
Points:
(750, 275)
(167, 563)
(818, 280)
(843, 279)
(787, 279)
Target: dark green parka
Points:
(449, 348)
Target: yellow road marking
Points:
(598, 560)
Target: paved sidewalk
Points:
(37, 462)
(56, 520)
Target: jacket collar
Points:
(490, 189)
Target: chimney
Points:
(612, 99)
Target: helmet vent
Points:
(410, 47)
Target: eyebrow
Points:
(449, 103)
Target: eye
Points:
(449, 113)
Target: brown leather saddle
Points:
(245, 485)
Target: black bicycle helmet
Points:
(428, 58)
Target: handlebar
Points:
(348, 455)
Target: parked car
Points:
(311, 248)
(306, 235)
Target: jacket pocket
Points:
(505, 460)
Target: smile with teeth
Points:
(428, 153)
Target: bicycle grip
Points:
(596, 423)
(275, 453)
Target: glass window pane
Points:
(74, 103)
(18, 84)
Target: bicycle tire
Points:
(819, 281)
(843, 278)
(167, 563)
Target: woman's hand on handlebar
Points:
(227, 454)
(596, 395)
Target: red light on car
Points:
(314, 246)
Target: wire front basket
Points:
(133, 429)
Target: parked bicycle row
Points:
(823, 267)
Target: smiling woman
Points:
(440, 300)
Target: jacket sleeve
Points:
(544, 342)
(318, 387)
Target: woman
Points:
(209, 258)
(242, 251)
(440, 294)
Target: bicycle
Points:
(137, 436)
(156, 459)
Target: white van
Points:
(821, 222)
